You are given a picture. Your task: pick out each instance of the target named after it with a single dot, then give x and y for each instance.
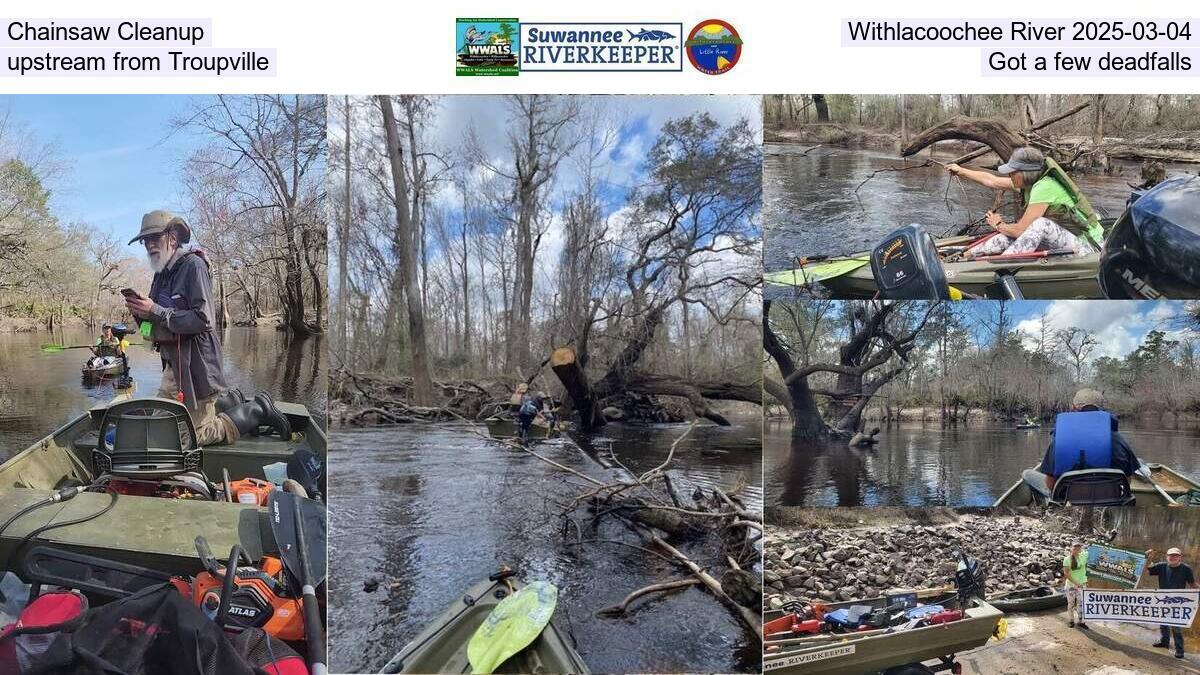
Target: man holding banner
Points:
(1172, 574)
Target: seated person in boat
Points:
(1111, 452)
(107, 344)
(1055, 217)
(179, 309)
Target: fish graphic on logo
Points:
(713, 47)
(644, 35)
(1173, 600)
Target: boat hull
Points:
(442, 646)
(1043, 278)
(111, 370)
(146, 531)
(499, 427)
(1171, 481)
(852, 653)
(1032, 600)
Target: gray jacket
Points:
(182, 320)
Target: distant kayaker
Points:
(1104, 449)
(180, 312)
(1074, 579)
(108, 344)
(1054, 218)
(1172, 574)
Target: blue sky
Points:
(1119, 325)
(121, 158)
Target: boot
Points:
(261, 412)
(229, 398)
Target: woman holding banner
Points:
(1074, 579)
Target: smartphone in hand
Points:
(129, 293)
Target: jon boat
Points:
(504, 427)
(1142, 492)
(884, 649)
(147, 531)
(442, 646)
(1040, 276)
(1028, 600)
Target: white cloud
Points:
(1118, 325)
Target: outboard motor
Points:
(969, 579)
(1153, 250)
(906, 266)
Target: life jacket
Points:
(1083, 440)
(1080, 220)
(528, 408)
(107, 347)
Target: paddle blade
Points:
(50, 349)
(807, 275)
(515, 623)
(284, 528)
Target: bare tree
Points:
(404, 244)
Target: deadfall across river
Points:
(568, 373)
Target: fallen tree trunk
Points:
(993, 133)
(697, 393)
(566, 366)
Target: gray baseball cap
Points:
(1085, 397)
(1023, 159)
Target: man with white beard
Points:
(180, 312)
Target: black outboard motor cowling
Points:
(906, 266)
(969, 579)
(1153, 250)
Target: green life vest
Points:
(1080, 220)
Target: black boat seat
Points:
(86, 443)
(1093, 487)
(152, 438)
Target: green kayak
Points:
(1046, 277)
(443, 646)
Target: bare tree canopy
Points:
(543, 223)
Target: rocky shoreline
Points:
(836, 564)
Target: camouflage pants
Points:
(1074, 611)
(211, 428)
(1042, 234)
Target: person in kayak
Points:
(1172, 574)
(1118, 455)
(1054, 218)
(179, 310)
(1074, 579)
(107, 345)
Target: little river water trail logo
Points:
(714, 47)
(486, 46)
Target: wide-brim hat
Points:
(157, 222)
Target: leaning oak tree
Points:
(879, 338)
(693, 211)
